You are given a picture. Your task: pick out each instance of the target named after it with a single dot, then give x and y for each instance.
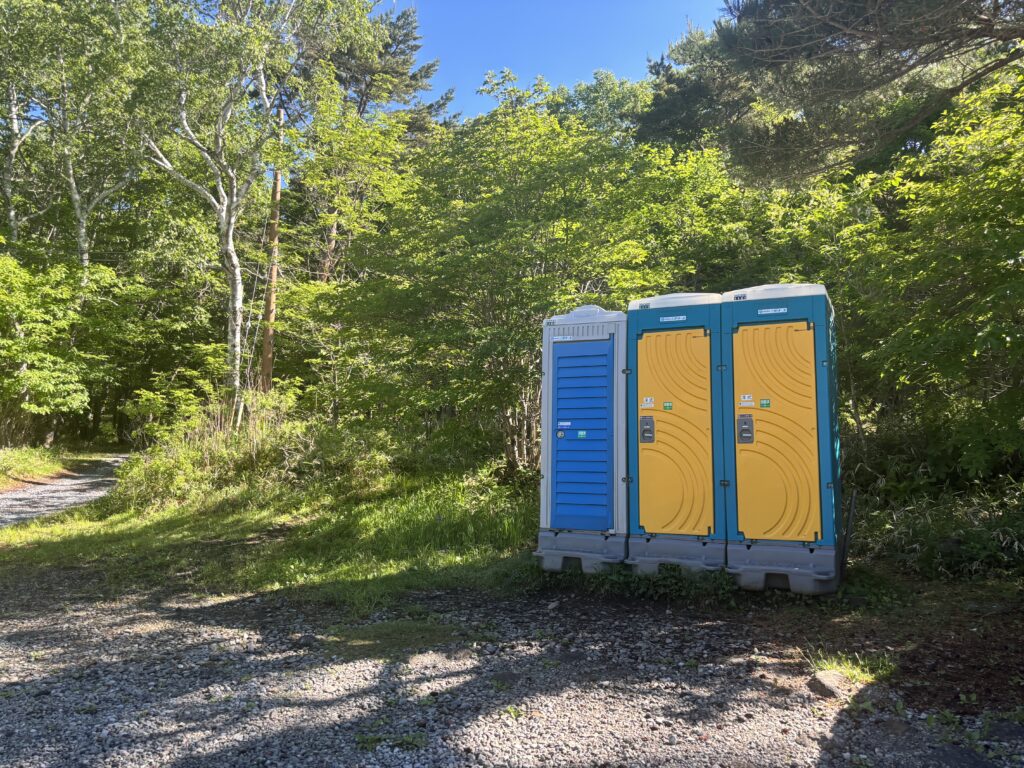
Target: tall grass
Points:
(287, 502)
(974, 533)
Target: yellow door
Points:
(777, 494)
(675, 463)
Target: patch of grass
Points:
(389, 639)
(870, 587)
(289, 503)
(414, 740)
(855, 667)
(370, 740)
(318, 540)
(18, 464)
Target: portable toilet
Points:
(583, 462)
(676, 507)
(780, 412)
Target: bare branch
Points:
(189, 136)
(162, 162)
(19, 140)
(109, 192)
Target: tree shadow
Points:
(555, 677)
(551, 678)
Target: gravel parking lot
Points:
(451, 680)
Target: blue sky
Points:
(564, 40)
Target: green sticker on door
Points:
(581, 433)
(766, 403)
(667, 405)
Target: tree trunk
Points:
(328, 263)
(81, 217)
(14, 127)
(270, 305)
(96, 416)
(82, 239)
(233, 274)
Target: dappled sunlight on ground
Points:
(447, 678)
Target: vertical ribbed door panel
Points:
(584, 435)
(583, 453)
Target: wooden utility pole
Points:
(270, 304)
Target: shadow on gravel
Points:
(458, 678)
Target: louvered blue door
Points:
(583, 436)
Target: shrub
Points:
(977, 532)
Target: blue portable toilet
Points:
(781, 423)
(583, 463)
(676, 504)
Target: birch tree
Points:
(227, 69)
(25, 28)
(87, 102)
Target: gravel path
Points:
(146, 680)
(90, 481)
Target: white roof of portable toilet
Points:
(676, 300)
(588, 313)
(776, 291)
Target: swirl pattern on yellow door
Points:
(777, 494)
(676, 480)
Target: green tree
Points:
(793, 87)
(955, 288)
(39, 374)
(607, 104)
(497, 233)
(86, 100)
(26, 176)
(227, 72)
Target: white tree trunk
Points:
(236, 301)
(81, 217)
(14, 128)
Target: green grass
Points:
(973, 533)
(856, 667)
(321, 540)
(18, 464)
(388, 639)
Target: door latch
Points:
(745, 428)
(646, 429)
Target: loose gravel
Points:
(146, 680)
(92, 480)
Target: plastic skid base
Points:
(802, 570)
(595, 552)
(648, 554)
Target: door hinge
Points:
(627, 371)
(720, 367)
(724, 483)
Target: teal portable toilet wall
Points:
(780, 416)
(583, 462)
(677, 511)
